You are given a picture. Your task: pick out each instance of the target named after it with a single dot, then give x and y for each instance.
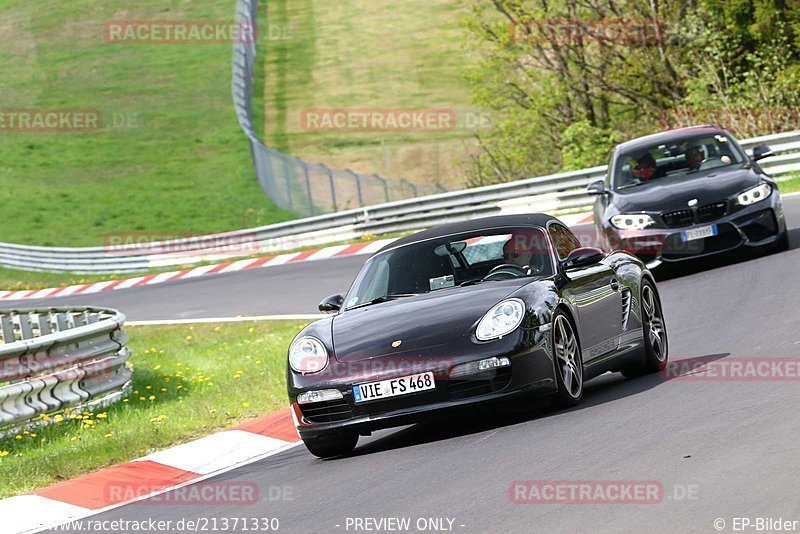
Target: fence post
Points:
(385, 186)
(308, 186)
(358, 187)
(288, 181)
(412, 186)
(333, 187)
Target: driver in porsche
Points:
(526, 250)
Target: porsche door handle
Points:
(614, 284)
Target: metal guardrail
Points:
(554, 193)
(58, 358)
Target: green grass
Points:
(791, 185)
(368, 54)
(184, 166)
(203, 378)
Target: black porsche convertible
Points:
(688, 193)
(508, 307)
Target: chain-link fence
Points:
(292, 183)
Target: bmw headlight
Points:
(308, 355)
(632, 221)
(501, 320)
(756, 194)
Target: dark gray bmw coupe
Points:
(504, 307)
(688, 193)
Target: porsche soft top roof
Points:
(498, 221)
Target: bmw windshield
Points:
(684, 157)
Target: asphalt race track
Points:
(721, 449)
(299, 287)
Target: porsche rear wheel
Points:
(331, 446)
(656, 346)
(569, 365)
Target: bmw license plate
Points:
(393, 387)
(699, 233)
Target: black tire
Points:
(568, 362)
(331, 446)
(654, 331)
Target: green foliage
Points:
(585, 145)
(559, 104)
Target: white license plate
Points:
(393, 387)
(699, 233)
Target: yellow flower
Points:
(33, 435)
(163, 389)
(102, 415)
(17, 437)
(157, 367)
(109, 435)
(135, 391)
(188, 338)
(59, 418)
(245, 405)
(179, 387)
(216, 329)
(124, 400)
(142, 398)
(4, 453)
(152, 397)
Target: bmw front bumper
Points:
(757, 225)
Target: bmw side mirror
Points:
(596, 188)
(582, 257)
(331, 304)
(761, 152)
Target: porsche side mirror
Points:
(331, 304)
(761, 152)
(582, 257)
(596, 188)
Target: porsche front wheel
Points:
(331, 446)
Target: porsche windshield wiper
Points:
(473, 282)
(384, 298)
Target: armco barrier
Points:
(553, 194)
(58, 358)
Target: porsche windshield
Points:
(684, 157)
(450, 261)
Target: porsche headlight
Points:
(503, 319)
(756, 194)
(308, 355)
(632, 221)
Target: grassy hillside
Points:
(181, 165)
(368, 54)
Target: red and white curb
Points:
(230, 267)
(149, 476)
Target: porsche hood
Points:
(411, 325)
